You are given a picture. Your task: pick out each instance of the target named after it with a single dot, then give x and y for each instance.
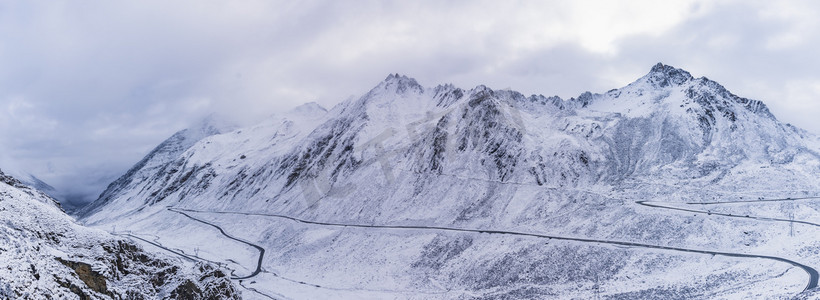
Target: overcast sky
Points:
(89, 87)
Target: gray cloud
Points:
(88, 87)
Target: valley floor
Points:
(650, 270)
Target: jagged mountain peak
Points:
(401, 84)
(666, 88)
(398, 77)
(584, 99)
(665, 75)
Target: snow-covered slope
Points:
(29, 179)
(156, 161)
(445, 157)
(44, 254)
(33, 181)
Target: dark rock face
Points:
(73, 288)
(124, 259)
(187, 290)
(129, 259)
(93, 280)
(662, 75)
(217, 288)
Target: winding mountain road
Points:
(812, 280)
(699, 211)
(183, 255)
(754, 200)
(261, 250)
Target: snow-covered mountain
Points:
(44, 254)
(439, 162)
(29, 179)
(157, 160)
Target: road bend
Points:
(261, 250)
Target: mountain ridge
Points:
(701, 102)
(481, 158)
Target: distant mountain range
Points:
(393, 194)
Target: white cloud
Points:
(103, 82)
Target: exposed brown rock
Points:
(95, 281)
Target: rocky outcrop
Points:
(44, 253)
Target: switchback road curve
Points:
(261, 250)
